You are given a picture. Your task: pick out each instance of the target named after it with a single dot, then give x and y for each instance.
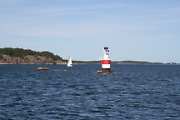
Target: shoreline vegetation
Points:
(27, 56)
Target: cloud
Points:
(91, 20)
(9, 2)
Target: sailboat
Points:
(69, 64)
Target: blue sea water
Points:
(138, 92)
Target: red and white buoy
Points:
(106, 62)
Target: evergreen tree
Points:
(19, 52)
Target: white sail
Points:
(69, 64)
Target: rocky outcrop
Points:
(29, 59)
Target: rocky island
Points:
(27, 56)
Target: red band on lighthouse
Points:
(106, 61)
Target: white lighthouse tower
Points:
(106, 62)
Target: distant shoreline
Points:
(30, 57)
(95, 62)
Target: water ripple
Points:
(130, 92)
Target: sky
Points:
(140, 30)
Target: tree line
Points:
(19, 52)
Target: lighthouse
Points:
(106, 62)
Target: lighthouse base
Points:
(104, 71)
